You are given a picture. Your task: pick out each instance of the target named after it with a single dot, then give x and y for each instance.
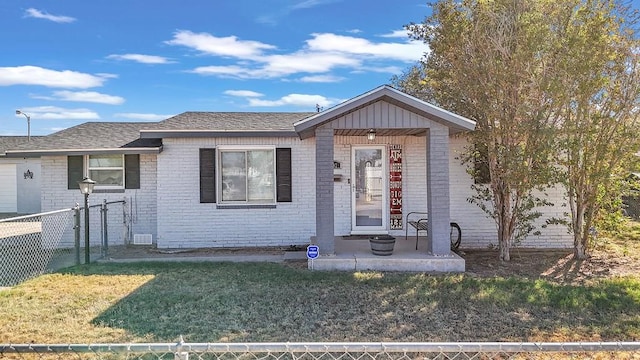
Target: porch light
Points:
(371, 135)
(86, 188)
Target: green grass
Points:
(229, 302)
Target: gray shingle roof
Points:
(10, 142)
(123, 135)
(232, 121)
(92, 135)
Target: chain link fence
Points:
(327, 351)
(29, 245)
(35, 244)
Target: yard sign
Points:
(395, 186)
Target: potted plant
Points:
(382, 244)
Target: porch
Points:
(354, 254)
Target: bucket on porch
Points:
(382, 244)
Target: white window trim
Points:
(245, 148)
(87, 169)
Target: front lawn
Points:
(229, 302)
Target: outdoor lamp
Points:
(18, 112)
(86, 188)
(371, 135)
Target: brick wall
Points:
(141, 203)
(183, 222)
(479, 231)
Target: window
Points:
(244, 176)
(110, 172)
(247, 176)
(107, 171)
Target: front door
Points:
(369, 190)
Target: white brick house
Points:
(280, 179)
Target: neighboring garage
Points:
(8, 189)
(20, 179)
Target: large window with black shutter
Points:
(231, 175)
(109, 171)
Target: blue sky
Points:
(68, 62)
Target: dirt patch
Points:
(555, 265)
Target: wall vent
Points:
(142, 239)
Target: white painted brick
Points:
(183, 222)
(142, 202)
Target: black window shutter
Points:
(75, 171)
(283, 175)
(207, 175)
(132, 171)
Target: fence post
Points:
(103, 226)
(180, 355)
(76, 229)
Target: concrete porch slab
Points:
(356, 255)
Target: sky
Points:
(67, 62)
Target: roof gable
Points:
(456, 123)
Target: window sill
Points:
(247, 206)
(105, 191)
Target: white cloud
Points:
(35, 13)
(354, 31)
(107, 75)
(308, 62)
(381, 69)
(144, 59)
(85, 96)
(243, 93)
(282, 65)
(220, 46)
(58, 113)
(311, 3)
(34, 75)
(143, 116)
(226, 71)
(410, 51)
(301, 100)
(403, 34)
(321, 54)
(321, 79)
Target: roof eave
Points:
(57, 152)
(164, 134)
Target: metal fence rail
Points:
(29, 244)
(329, 351)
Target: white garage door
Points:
(8, 188)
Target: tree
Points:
(599, 108)
(493, 61)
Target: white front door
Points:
(369, 205)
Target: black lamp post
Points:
(86, 188)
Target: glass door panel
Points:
(369, 189)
